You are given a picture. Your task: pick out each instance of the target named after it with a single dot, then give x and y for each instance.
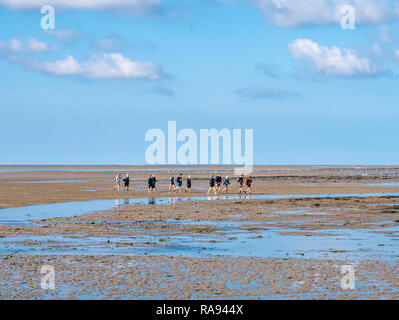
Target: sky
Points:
(87, 91)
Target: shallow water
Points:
(304, 212)
(25, 215)
(384, 184)
(231, 238)
(235, 239)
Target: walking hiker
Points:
(154, 180)
(226, 184)
(149, 183)
(212, 185)
(218, 182)
(179, 181)
(240, 182)
(172, 186)
(117, 180)
(248, 184)
(188, 184)
(126, 181)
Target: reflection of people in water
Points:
(172, 200)
(151, 200)
(126, 201)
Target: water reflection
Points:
(117, 203)
(77, 208)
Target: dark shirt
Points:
(212, 182)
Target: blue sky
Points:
(87, 91)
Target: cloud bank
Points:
(17, 45)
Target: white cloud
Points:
(333, 61)
(113, 65)
(16, 45)
(293, 13)
(131, 6)
(38, 46)
(12, 45)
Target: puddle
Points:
(303, 212)
(23, 215)
(384, 184)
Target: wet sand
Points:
(126, 277)
(22, 185)
(136, 236)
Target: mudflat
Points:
(191, 246)
(24, 185)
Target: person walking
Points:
(149, 183)
(172, 186)
(212, 185)
(179, 181)
(126, 181)
(117, 180)
(188, 184)
(240, 182)
(154, 180)
(218, 182)
(226, 184)
(248, 184)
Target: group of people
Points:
(151, 181)
(176, 184)
(118, 179)
(215, 184)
